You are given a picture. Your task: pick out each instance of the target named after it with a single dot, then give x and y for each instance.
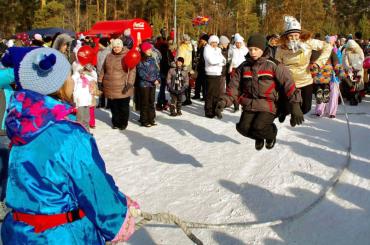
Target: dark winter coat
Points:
(117, 83)
(174, 86)
(255, 85)
(148, 72)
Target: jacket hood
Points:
(30, 113)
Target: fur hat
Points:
(291, 25)
(43, 70)
(213, 39)
(224, 40)
(257, 40)
(117, 43)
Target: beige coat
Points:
(115, 78)
(298, 63)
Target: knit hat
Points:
(213, 39)
(181, 59)
(43, 70)
(291, 25)
(117, 43)
(204, 37)
(127, 32)
(146, 46)
(330, 39)
(224, 40)
(238, 39)
(186, 37)
(257, 40)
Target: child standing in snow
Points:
(255, 84)
(63, 194)
(177, 82)
(83, 93)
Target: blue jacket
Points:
(148, 72)
(6, 78)
(55, 168)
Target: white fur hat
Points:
(117, 43)
(213, 39)
(224, 40)
(291, 25)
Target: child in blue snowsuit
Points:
(58, 187)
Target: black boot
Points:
(270, 144)
(259, 144)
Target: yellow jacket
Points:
(298, 63)
(185, 51)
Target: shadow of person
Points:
(159, 150)
(104, 116)
(198, 110)
(141, 237)
(223, 238)
(201, 133)
(268, 206)
(341, 218)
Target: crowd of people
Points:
(51, 86)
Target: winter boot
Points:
(270, 144)
(319, 96)
(259, 144)
(172, 111)
(326, 95)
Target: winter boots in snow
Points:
(270, 144)
(259, 144)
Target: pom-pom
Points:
(47, 62)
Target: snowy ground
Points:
(204, 171)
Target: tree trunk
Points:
(115, 10)
(77, 12)
(97, 10)
(105, 10)
(43, 3)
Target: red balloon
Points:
(85, 55)
(131, 59)
(367, 63)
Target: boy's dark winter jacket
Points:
(173, 86)
(255, 85)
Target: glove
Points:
(219, 108)
(296, 115)
(128, 227)
(126, 88)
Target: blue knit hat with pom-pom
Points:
(43, 70)
(13, 57)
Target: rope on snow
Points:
(167, 218)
